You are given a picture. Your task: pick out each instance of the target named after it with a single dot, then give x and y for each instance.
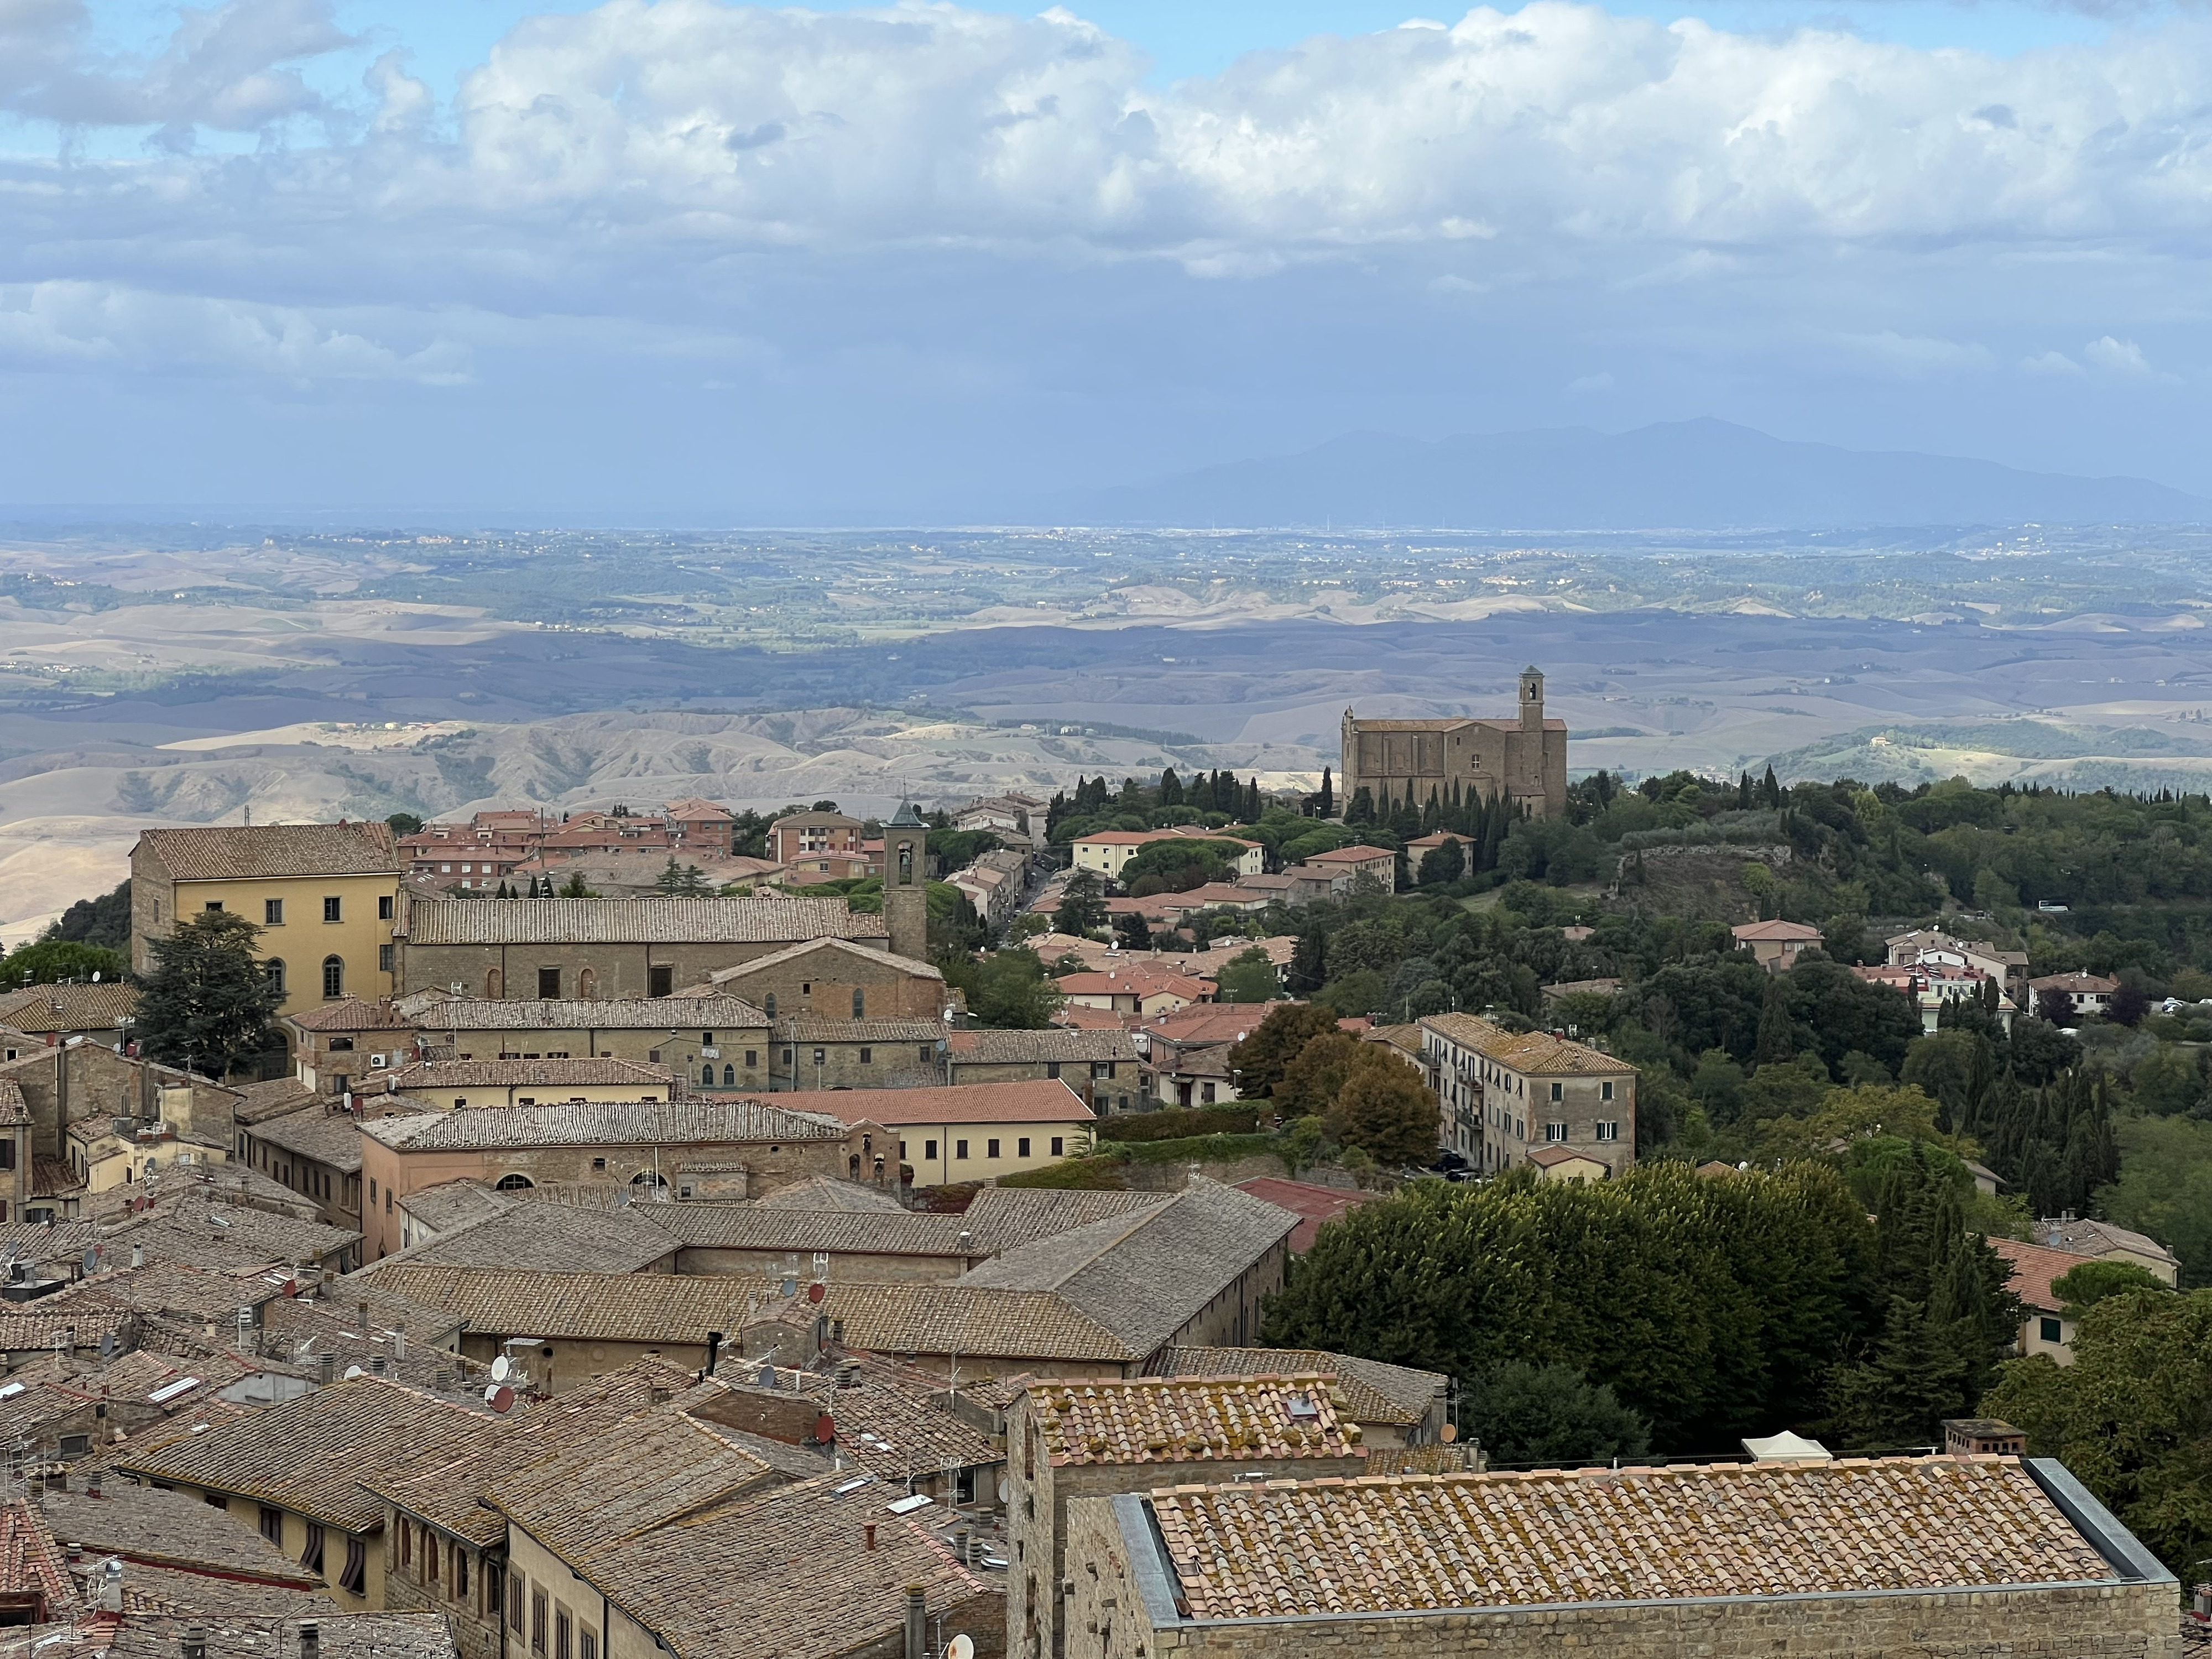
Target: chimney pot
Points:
(311, 1638)
(917, 1640)
(868, 1532)
(195, 1642)
(92, 1481)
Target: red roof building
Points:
(1312, 1203)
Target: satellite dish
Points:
(813, 1290)
(960, 1647)
(1449, 1433)
(352, 1372)
(1005, 1492)
(501, 1369)
(500, 1398)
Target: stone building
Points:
(99, 1013)
(602, 950)
(1725, 1560)
(720, 1148)
(75, 1095)
(977, 1132)
(462, 1084)
(1523, 760)
(812, 1053)
(1506, 1094)
(325, 896)
(686, 1033)
(906, 882)
(1100, 1065)
(1394, 1405)
(835, 979)
(1094, 1437)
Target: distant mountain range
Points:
(1681, 475)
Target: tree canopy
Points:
(208, 1004)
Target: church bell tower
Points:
(1532, 700)
(906, 882)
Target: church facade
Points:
(1523, 760)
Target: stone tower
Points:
(1532, 700)
(906, 882)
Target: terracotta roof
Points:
(2097, 1238)
(327, 1137)
(1777, 932)
(575, 1014)
(828, 1193)
(277, 1097)
(310, 1455)
(1549, 1157)
(1006, 1218)
(442, 1483)
(691, 809)
(1362, 854)
(840, 946)
(452, 1204)
(1032, 1100)
(149, 1526)
(1533, 1053)
(31, 1562)
(352, 1014)
(891, 1421)
(1311, 1204)
(606, 1122)
(1204, 1027)
(203, 1231)
(1074, 1017)
(38, 1009)
(14, 1110)
(1190, 1419)
(1551, 1537)
(1368, 1391)
(246, 852)
(435, 1074)
(840, 1232)
(149, 1629)
(816, 1028)
(1146, 1275)
(789, 1572)
(2033, 1268)
(552, 1238)
(633, 921)
(979, 1047)
(1135, 981)
(2079, 981)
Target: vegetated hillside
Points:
(2055, 755)
(1703, 474)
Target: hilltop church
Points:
(1523, 760)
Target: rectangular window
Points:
(333, 908)
(460, 1571)
(928, 1149)
(659, 981)
(1022, 1147)
(214, 904)
(2052, 1330)
(990, 1149)
(384, 958)
(923, 1053)
(1608, 1131)
(384, 906)
(563, 1633)
(587, 1644)
(312, 1556)
(1558, 1091)
(272, 913)
(514, 1600)
(548, 983)
(429, 1554)
(273, 1524)
(1059, 1143)
(1554, 1133)
(354, 1581)
(959, 1148)
(867, 1056)
(1605, 1091)
(753, 1059)
(537, 1621)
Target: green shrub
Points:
(1179, 1123)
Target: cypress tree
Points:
(1327, 796)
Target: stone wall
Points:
(1108, 1615)
(874, 1063)
(821, 983)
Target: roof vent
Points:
(1301, 1406)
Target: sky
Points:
(732, 264)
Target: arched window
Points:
(495, 985)
(273, 971)
(769, 1006)
(860, 1003)
(512, 1184)
(729, 1077)
(333, 977)
(647, 1178)
(588, 984)
(707, 1074)
(905, 864)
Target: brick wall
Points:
(1107, 1615)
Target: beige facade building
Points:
(978, 1132)
(1523, 760)
(1507, 1095)
(1104, 852)
(1723, 1560)
(835, 979)
(324, 896)
(1776, 945)
(689, 1034)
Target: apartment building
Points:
(792, 841)
(1507, 1094)
(326, 897)
(1105, 851)
(977, 1132)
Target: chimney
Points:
(311, 1638)
(399, 1340)
(917, 1640)
(195, 1641)
(111, 1588)
(92, 1481)
(326, 1369)
(364, 1319)
(137, 1255)
(868, 1533)
(57, 1481)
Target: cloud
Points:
(2118, 356)
(61, 325)
(2052, 363)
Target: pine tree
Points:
(1170, 788)
(1773, 790)
(207, 1003)
(1776, 1041)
